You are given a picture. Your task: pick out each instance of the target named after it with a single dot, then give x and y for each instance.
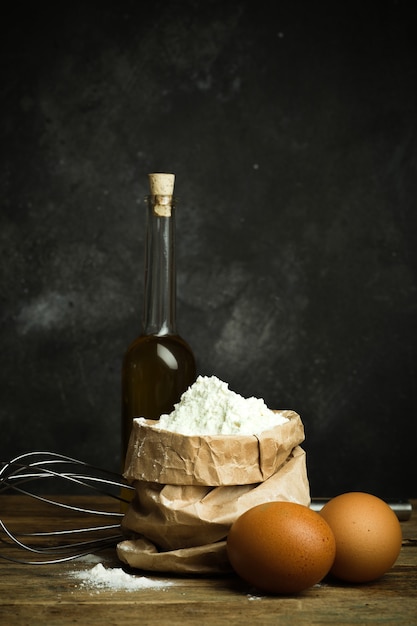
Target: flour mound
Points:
(209, 407)
(115, 578)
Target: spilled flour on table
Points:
(100, 577)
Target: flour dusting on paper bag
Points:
(190, 488)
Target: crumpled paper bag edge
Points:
(166, 457)
(141, 552)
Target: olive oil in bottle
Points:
(159, 365)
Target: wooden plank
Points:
(49, 594)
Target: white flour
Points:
(209, 407)
(100, 577)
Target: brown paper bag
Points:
(190, 489)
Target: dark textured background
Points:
(291, 128)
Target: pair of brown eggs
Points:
(284, 547)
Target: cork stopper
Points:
(162, 184)
(162, 190)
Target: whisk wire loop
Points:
(25, 475)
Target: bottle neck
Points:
(159, 314)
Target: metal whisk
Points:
(34, 473)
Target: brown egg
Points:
(281, 547)
(368, 536)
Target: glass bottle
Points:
(159, 365)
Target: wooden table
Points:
(49, 594)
